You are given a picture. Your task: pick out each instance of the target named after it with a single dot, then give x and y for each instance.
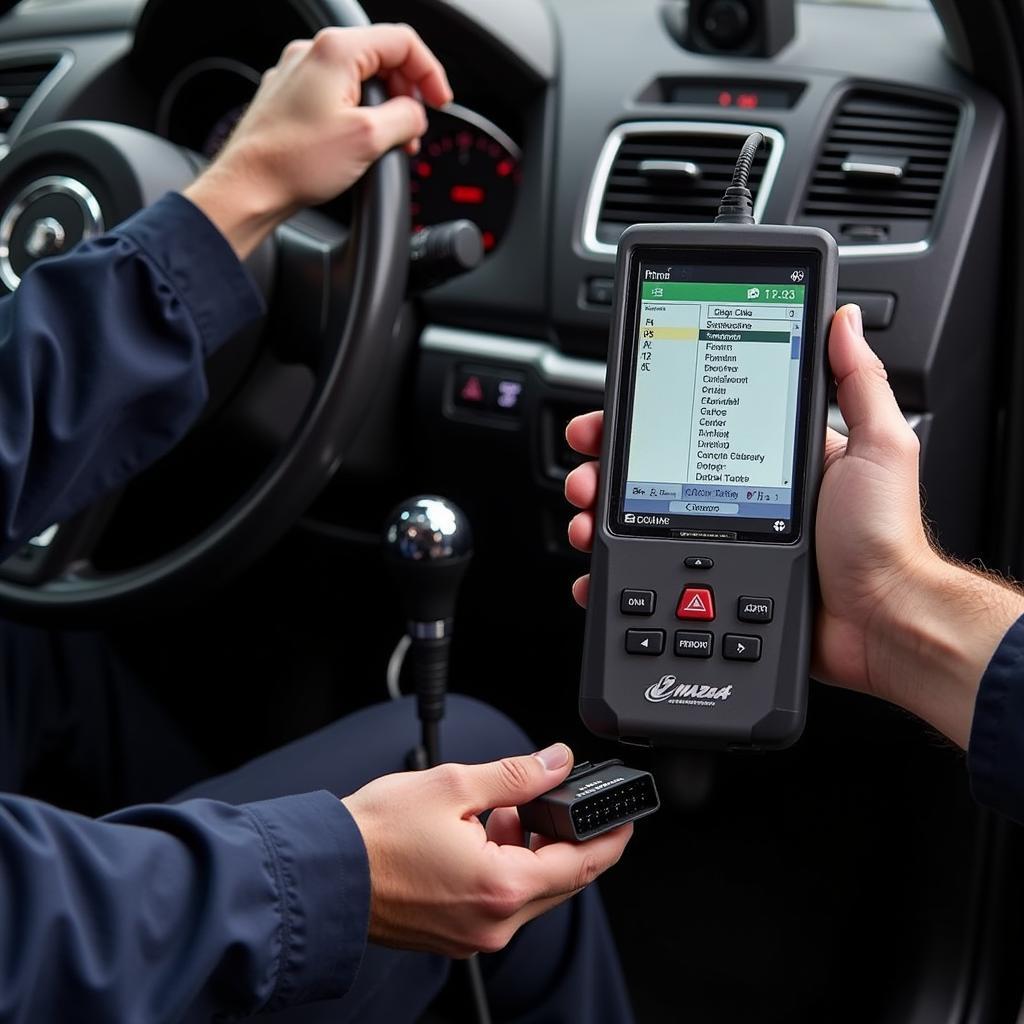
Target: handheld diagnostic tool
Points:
(700, 612)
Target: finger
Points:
(584, 433)
(293, 53)
(581, 531)
(397, 122)
(581, 485)
(559, 869)
(538, 842)
(512, 780)
(581, 590)
(399, 85)
(835, 445)
(504, 827)
(866, 400)
(398, 47)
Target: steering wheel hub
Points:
(69, 182)
(49, 216)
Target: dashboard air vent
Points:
(17, 84)
(881, 170)
(670, 173)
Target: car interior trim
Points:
(599, 183)
(65, 62)
(553, 367)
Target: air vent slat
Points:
(889, 106)
(919, 179)
(634, 198)
(17, 85)
(916, 134)
(894, 125)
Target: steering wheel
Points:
(74, 179)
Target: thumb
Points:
(395, 122)
(514, 780)
(877, 427)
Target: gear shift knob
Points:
(428, 545)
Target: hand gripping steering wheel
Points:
(355, 283)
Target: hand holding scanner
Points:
(700, 612)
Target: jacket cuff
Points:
(199, 264)
(995, 753)
(323, 884)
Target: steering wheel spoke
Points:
(314, 271)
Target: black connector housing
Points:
(595, 798)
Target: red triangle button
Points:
(472, 390)
(696, 603)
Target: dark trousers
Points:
(71, 717)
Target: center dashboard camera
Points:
(699, 622)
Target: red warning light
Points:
(472, 390)
(489, 241)
(747, 100)
(725, 99)
(423, 169)
(505, 168)
(471, 194)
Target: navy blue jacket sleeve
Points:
(178, 913)
(995, 753)
(101, 359)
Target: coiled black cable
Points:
(737, 206)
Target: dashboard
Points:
(561, 104)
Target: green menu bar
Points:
(681, 291)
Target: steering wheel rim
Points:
(378, 249)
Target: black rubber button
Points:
(741, 648)
(645, 641)
(755, 609)
(637, 602)
(699, 562)
(693, 644)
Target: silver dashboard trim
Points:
(602, 170)
(884, 249)
(552, 366)
(871, 169)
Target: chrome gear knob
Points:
(428, 545)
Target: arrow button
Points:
(699, 562)
(741, 648)
(645, 641)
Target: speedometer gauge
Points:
(468, 168)
(204, 102)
